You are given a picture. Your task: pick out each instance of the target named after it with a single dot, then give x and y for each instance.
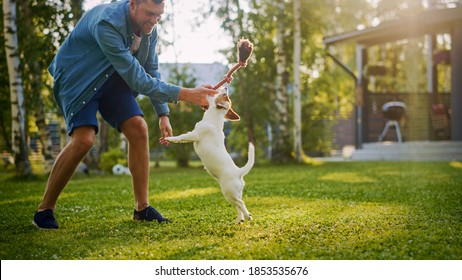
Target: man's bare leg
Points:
(136, 131)
(82, 140)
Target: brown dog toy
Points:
(244, 50)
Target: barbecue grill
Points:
(393, 112)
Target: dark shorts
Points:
(114, 101)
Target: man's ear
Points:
(232, 116)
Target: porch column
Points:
(432, 78)
(456, 82)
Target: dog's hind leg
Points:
(241, 206)
(245, 212)
(242, 212)
(240, 216)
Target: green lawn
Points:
(346, 210)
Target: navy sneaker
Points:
(45, 219)
(149, 214)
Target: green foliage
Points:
(7, 164)
(323, 93)
(183, 116)
(42, 26)
(340, 211)
(112, 157)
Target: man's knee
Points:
(83, 139)
(135, 127)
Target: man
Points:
(105, 62)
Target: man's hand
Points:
(164, 141)
(197, 95)
(165, 129)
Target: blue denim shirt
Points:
(98, 46)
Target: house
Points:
(433, 118)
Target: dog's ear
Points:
(232, 116)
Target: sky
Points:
(192, 44)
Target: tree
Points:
(5, 106)
(282, 139)
(19, 143)
(268, 80)
(297, 99)
(33, 51)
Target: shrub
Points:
(112, 157)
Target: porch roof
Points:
(428, 22)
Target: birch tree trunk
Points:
(281, 152)
(297, 97)
(19, 143)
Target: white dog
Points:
(209, 144)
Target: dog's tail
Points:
(251, 154)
